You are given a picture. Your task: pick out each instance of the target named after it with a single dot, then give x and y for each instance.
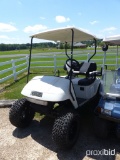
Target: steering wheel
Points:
(75, 64)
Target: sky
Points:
(21, 18)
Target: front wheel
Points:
(66, 130)
(21, 114)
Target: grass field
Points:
(44, 51)
(13, 91)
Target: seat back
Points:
(87, 67)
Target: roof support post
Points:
(66, 50)
(94, 51)
(29, 59)
(72, 43)
(117, 58)
(70, 86)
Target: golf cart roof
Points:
(65, 35)
(112, 40)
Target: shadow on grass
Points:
(12, 83)
(41, 132)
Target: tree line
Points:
(88, 44)
(9, 47)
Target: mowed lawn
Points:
(12, 90)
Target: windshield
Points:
(111, 83)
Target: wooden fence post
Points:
(27, 61)
(55, 63)
(14, 69)
(88, 56)
(104, 59)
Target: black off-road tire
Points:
(101, 127)
(21, 114)
(66, 130)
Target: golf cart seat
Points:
(85, 69)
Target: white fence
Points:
(13, 68)
(53, 61)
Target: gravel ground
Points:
(35, 143)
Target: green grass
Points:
(27, 51)
(14, 91)
(38, 50)
(14, 52)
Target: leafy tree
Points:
(61, 46)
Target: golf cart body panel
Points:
(107, 119)
(47, 88)
(110, 107)
(109, 104)
(56, 89)
(85, 91)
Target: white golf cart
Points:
(107, 112)
(70, 92)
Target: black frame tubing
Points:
(71, 64)
(29, 59)
(66, 50)
(95, 50)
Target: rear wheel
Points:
(66, 130)
(21, 114)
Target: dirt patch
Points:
(35, 143)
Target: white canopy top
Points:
(65, 35)
(112, 40)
